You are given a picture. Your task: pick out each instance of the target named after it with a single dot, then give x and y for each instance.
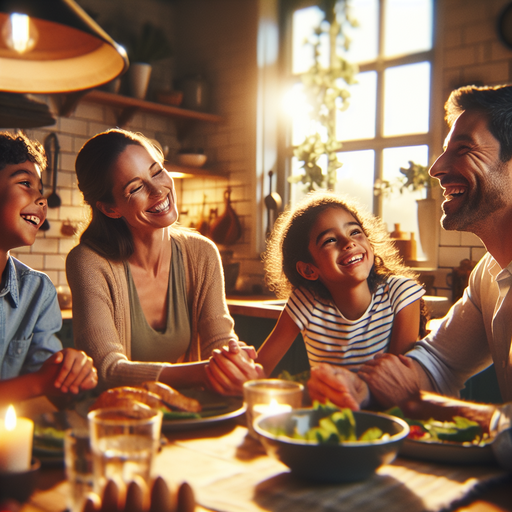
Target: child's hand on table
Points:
(69, 370)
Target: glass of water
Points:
(124, 443)
(78, 461)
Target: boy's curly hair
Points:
(289, 242)
(18, 148)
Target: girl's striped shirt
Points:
(331, 338)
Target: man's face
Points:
(476, 183)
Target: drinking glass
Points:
(266, 396)
(124, 443)
(78, 461)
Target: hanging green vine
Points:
(326, 92)
(415, 177)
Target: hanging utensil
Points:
(52, 148)
(203, 226)
(273, 203)
(226, 229)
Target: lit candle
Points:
(16, 436)
(272, 408)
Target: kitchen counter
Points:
(263, 306)
(260, 306)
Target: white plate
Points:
(216, 408)
(455, 453)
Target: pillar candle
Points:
(16, 436)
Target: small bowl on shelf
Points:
(191, 159)
(174, 98)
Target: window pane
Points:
(305, 21)
(358, 121)
(406, 99)
(408, 27)
(400, 208)
(298, 110)
(355, 177)
(364, 45)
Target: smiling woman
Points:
(145, 291)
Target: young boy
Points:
(32, 362)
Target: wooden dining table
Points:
(229, 471)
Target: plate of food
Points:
(460, 441)
(184, 409)
(48, 442)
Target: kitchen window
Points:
(388, 121)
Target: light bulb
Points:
(19, 33)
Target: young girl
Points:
(347, 290)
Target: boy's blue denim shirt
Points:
(29, 318)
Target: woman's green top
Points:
(169, 345)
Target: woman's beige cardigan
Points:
(101, 311)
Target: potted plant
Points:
(416, 178)
(144, 48)
(326, 91)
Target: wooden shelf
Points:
(127, 107)
(195, 172)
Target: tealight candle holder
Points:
(19, 485)
(270, 396)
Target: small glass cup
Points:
(124, 444)
(78, 461)
(266, 396)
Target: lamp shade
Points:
(71, 51)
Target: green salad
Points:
(338, 427)
(459, 430)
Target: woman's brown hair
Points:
(109, 237)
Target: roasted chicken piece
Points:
(152, 394)
(172, 398)
(113, 397)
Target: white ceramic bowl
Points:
(191, 159)
(344, 462)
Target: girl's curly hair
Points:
(289, 242)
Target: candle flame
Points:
(273, 406)
(10, 418)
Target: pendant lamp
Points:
(53, 46)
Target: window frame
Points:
(431, 139)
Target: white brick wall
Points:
(470, 52)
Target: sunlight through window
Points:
(387, 122)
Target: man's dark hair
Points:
(494, 102)
(18, 148)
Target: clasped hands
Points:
(231, 366)
(387, 379)
(68, 371)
